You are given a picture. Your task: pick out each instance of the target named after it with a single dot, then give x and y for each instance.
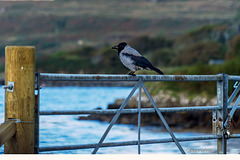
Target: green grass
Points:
(51, 25)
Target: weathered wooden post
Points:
(20, 101)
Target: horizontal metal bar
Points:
(235, 136)
(104, 77)
(127, 143)
(233, 78)
(132, 111)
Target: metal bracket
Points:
(37, 84)
(9, 87)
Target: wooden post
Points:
(20, 104)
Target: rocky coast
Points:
(176, 120)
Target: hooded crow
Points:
(133, 60)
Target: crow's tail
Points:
(156, 70)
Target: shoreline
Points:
(161, 128)
(178, 121)
(174, 129)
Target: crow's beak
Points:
(115, 47)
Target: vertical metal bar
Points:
(218, 127)
(224, 112)
(222, 95)
(214, 122)
(164, 121)
(36, 129)
(116, 117)
(139, 116)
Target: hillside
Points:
(65, 25)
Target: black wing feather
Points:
(142, 62)
(139, 60)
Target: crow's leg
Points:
(132, 73)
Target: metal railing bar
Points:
(163, 120)
(104, 77)
(233, 78)
(139, 116)
(235, 136)
(133, 111)
(115, 117)
(127, 143)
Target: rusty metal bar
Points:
(134, 111)
(127, 143)
(222, 98)
(104, 77)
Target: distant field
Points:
(62, 24)
(149, 9)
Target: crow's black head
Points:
(120, 46)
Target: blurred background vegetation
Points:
(179, 36)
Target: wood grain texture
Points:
(20, 69)
(7, 131)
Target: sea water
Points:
(68, 130)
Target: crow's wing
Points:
(139, 60)
(144, 63)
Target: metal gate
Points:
(221, 117)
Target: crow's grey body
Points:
(132, 59)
